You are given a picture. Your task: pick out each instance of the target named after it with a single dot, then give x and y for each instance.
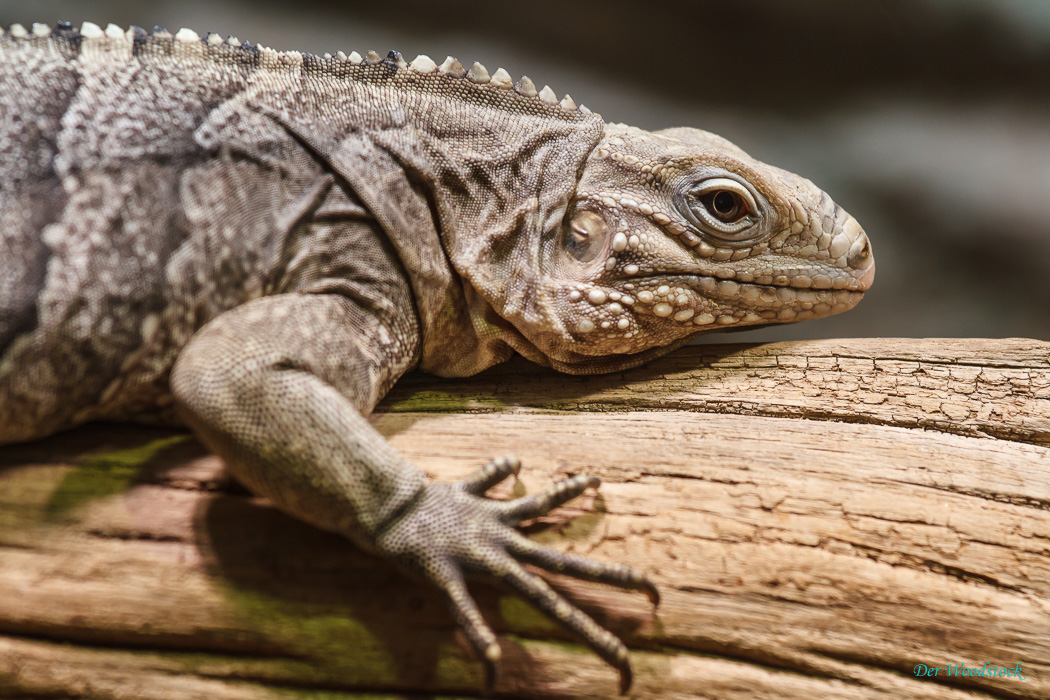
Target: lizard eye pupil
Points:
(725, 205)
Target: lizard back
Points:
(151, 182)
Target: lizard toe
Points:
(538, 592)
(525, 550)
(513, 512)
(447, 576)
(490, 474)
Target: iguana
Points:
(260, 243)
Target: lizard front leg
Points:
(279, 388)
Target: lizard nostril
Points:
(860, 259)
(860, 256)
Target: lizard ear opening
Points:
(583, 235)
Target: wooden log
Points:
(822, 518)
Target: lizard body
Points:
(260, 243)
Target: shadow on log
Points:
(822, 518)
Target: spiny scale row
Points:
(90, 30)
(420, 64)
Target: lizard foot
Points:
(452, 529)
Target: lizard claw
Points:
(452, 530)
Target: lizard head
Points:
(679, 231)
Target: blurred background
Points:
(928, 120)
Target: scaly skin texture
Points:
(260, 244)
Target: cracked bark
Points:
(821, 517)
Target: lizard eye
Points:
(584, 236)
(722, 207)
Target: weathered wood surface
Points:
(821, 518)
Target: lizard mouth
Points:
(744, 303)
(712, 285)
(865, 282)
(827, 280)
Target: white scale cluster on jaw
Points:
(421, 64)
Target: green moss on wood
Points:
(431, 401)
(522, 616)
(105, 474)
